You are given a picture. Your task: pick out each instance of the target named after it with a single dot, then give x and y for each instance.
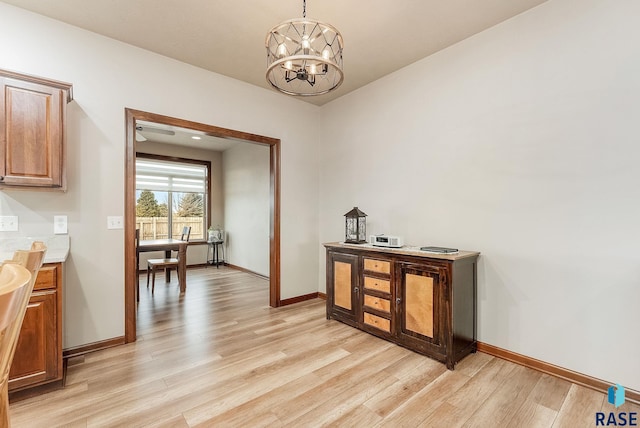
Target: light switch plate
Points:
(115, 222)
(9, 223)
(60, 224)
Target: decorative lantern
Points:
(355, 227)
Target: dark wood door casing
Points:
(131, 116)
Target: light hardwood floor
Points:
(220, 356)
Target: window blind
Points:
(171, 176)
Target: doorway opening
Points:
(131, 274)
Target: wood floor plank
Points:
(340, 404)
(175, 422)
(420, 375)
(459, 406)
(578, 408)
(550, 392)
(416, 411)
(257, 385)
(472, 364)
(533, 415)
(260, 407)
(219, 356)
(360, 416)
(361, 376)
(501, 405)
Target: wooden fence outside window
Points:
(158, 227)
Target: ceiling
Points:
(168, 134)
(227, 37)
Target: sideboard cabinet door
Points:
(420, 307)
(344, 294)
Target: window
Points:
(170, 194)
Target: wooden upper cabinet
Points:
(32, 121)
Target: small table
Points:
(215, 252)
(167, 245)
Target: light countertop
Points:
(408, 250)
(57, 247)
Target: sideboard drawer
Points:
(378, 266)
(377, 322)
(383, 305)
(377, 284)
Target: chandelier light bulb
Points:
(282, 50)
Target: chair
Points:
(14, 293)
(186, 232)
(17, 277)
(184, 236)
(166, 263)
(137, 242)
(31, 259)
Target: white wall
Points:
(246, 206)
(108, 77)
(522, 143)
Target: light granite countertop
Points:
(408, 250)
(57, 247)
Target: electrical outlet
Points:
(59, 224)
(115, 222)
(9, 223)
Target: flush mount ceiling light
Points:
(304, 56)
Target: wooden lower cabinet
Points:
(38, 357)
(425, 302)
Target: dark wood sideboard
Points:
(423, 301)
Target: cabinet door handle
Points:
(356, 290)
(398, 300)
